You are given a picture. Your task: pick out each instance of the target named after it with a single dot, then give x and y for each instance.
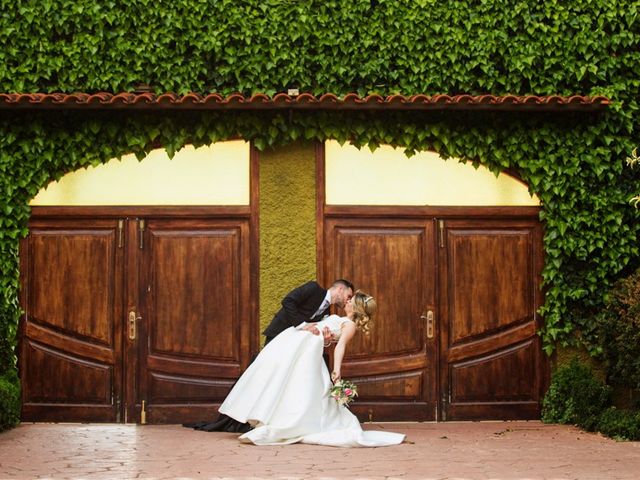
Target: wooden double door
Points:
(132, 316)
(455, 334)
(147, 316)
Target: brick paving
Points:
(452, 451)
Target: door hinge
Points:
(120, 233)
(141, 233)
(441, 233)
(118, 413)
(444, 407)
(143, 413)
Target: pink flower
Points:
(343, 392)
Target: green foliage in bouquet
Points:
(575, 397)
(344, 392)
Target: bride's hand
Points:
(335, 376)
(328, 337)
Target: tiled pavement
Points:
(454, 451)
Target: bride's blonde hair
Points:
(364, 309)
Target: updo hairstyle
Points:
(364, 309)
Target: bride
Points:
(284, 394)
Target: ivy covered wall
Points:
(408, 46)
(573, 162)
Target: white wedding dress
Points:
(284, 394)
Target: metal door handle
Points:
(133, 325)
(429, 318)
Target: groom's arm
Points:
(326, 333)
(294, 299)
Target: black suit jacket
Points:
(297, 307)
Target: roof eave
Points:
(304, 101)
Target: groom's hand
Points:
(326, 333)
(311, 328)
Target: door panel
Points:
(485, 265)
(393, 366)
(490, 355)
(187, 266)
(194, 305)
(84, 258)
(69, 358)
(86, 382)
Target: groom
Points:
(306, 303)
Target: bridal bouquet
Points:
(344, 391)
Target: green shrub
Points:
(9, 401)
(620, 424)
(618, 332)
(575, 397)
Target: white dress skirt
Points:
(284, 395)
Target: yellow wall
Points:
(287, 224)
(217, 174)
(388, 177)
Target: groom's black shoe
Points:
(223, 423)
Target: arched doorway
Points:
(138, 280)
(454, 257)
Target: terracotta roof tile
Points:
(304, 101)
